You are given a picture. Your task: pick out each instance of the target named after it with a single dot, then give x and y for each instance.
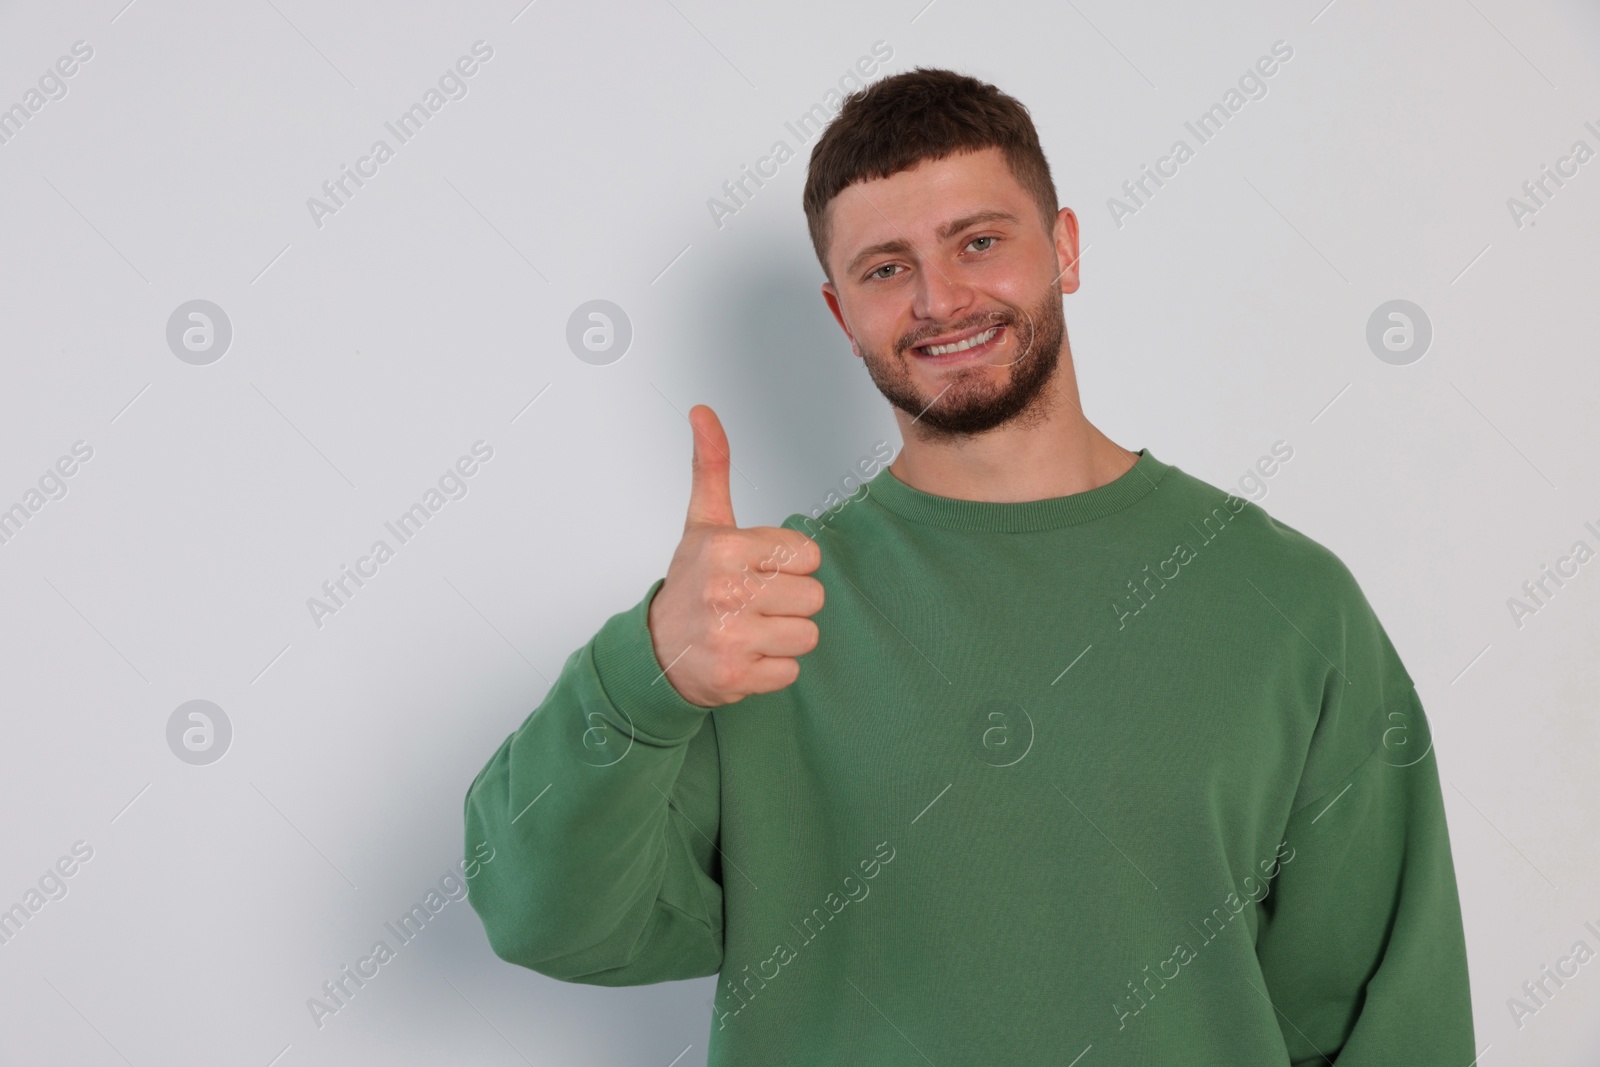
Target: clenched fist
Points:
(733, 613)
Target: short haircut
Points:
(923, 114)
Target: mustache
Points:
(992, 318)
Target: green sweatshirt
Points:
(1132, 775)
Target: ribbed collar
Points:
(983, 516)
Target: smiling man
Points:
(1089, 762)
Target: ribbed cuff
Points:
(625, 661)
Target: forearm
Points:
(592, 866)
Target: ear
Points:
(830, 296)
(1067, 254)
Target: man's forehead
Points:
(930, 184)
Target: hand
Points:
(733, 614)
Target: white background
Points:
(370, 352)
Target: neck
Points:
(1049, 450)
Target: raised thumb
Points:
(710, 500)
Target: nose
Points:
(940, 295)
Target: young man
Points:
(1088, 762)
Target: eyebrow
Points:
(944, 233)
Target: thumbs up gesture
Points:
(734, 612)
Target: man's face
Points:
(946, 253)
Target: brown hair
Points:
(923, 114)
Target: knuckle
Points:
(712, 597)
(726, 549)
(724, 676)
(720, 643)
(785, 549)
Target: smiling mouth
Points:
(973, 346)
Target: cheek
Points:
(1022, 284)
(1044, 271)
(878, 330)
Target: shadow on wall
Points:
(799, 407)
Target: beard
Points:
(969, 404)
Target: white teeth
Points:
(962, 346)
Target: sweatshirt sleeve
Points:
(601, 811)
(1361, 941)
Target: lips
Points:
(974, 352)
